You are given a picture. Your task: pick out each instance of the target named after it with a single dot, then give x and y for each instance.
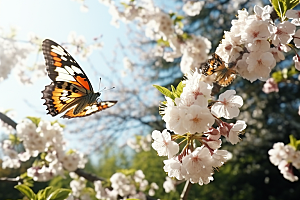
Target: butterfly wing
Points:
(90, 109)
(60, 96)
(224, 75)
(61, 66)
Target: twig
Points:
(8, 120)
(11, 180)
(185, 190)
(88, 176)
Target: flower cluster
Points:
(190, 117)
(255, 42)
(13, 54)
(160, 26)
(130, 186)
(285, 157)
(80, 45)
(46, 139)
(140, 143)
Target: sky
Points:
(53, 19)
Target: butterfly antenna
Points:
(99, 84)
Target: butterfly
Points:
(224, 74)
(71, 91)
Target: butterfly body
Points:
(224, 74)
(71, 90)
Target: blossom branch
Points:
(11, 180)
(8, 120)
(88, 176)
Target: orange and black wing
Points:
(70, 83)
(61, 66)
(61, 96)
(90, 109)
(224, 74)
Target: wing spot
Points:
(57, 64)
(53, 54)
(56, 59)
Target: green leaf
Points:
(14, 139)
(164, 91)
(35, 120)
(26, 191)
(61, 125)
(43, 194)
(280, 7)
(292, 3)
(59, 194)
(277, 76)
(179, 88)
(162, 42)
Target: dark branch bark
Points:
(8, 120)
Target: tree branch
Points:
(8, 120)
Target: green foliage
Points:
(61, 125)
(284, 74)
(26, 191)
(281, 6)
(294, 143)
(49, 193)
(14, 139)
(35, 120)
(175, 93)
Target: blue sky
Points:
(53, 19)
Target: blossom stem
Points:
(185, 191)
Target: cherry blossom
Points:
(163, 144)
(192, 8)
(270, 86)
(228, 105)
(295, 15)
(282, 33)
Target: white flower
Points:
(197, 166)
(295, 15)
(296, 59)
(153, 187)
(228, 105)
(121, 184)
(282, 33)
(10, 163)
(70, 161)
(278, 55)
(263, 13)
(77, 186)
(197, 160)
(169, 185)
(255, 30)
(237, 128)
(276, 153)
(174, 116)
(192, 8)
(270, 86)
(163, 143)
(297, 38)
(229, 48)
(198, 119)
(287, 171)
(127, 64)
(173, 168)
(194, 53)
(138, 176)
(258, 65)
